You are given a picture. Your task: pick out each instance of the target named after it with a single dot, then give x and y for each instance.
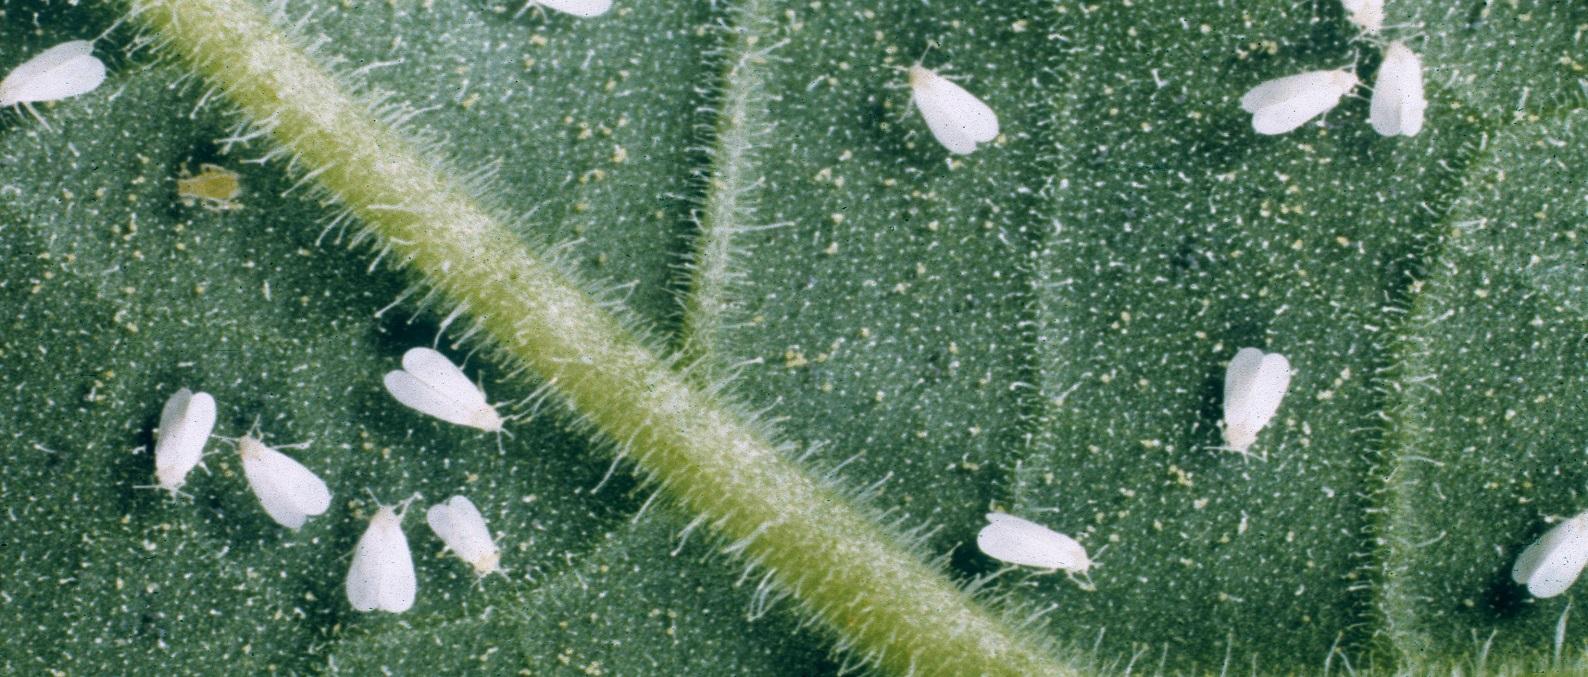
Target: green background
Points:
(1041, 326)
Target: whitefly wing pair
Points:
(289, 492)
(1284, 104)
(1020, 541)
(1398, 101)
(461, 526)
(381, 577)
(957, 119)
(584, 9)
(1254, 385)
(185, 425)
(431, 384)
(1552, 563)
(62, 71)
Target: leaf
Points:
(120, 297)
(608, 613)
(1042, 325)
(1489, 388)
(1184, 238)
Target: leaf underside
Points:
(1041, 326)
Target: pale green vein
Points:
(740, 115)
(1406, 378)
(851, 575)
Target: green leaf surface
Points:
(1041, 326)
(611, 612)
(1182, 237)
(1487, 395)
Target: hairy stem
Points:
(878, 599)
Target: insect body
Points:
(62, 71)
(1254, 385)
(382, 574)
(431, 384)
(185, 425)
(459, 524)
(1283, 104)
(289, 492)
(214, 187)
(1398, 102)
(1019, 541)
(1368, 15)
(584, 9)
(1552, 563)
(957, 118)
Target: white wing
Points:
(67, 69)
(172, 413)
(420, 396)
(1283, 104)
(363, 575)
(1019, 541)
(974, 116)
(944, 129)
(185, 425)
(461, 526)
(439, 517)
(941, 122)
(1398, 101)
(1238, 377)
(1270, 386)
(1293, 113)
(1280, 90)
(440, 373)
(1254, 385)
(382, 574)
(957, 118)
(1552, 563)
(289, 492)
(580, 8)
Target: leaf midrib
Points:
(850, 572)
